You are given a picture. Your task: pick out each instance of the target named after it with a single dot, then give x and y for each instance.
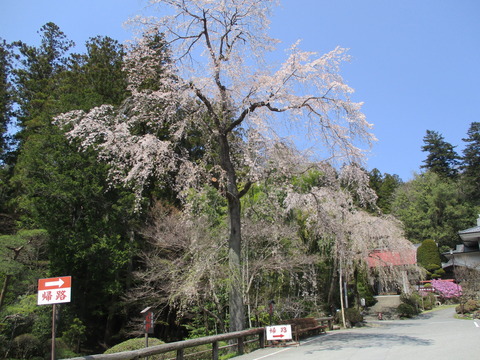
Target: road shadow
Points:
(399, 322)
(339, 341)
(425, 316)
(388, 324)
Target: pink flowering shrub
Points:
(447, 289)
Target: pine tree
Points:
(7, 220)
(471, 161)
(94, 78)
(442, 158)
(65, 191)
(5, 96)
(35, 79)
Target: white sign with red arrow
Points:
(279, 332)
(54, 290)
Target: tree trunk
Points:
(109, 331)
(235, 266)
(342, 308)
(237, 312)
(6, 282)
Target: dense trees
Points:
(296, 242)
(432, 207)
(438, 203)
(471, 162)
(212, 201)
(63, 191)
(384, 186)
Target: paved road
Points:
(436, 335)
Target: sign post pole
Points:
(54, 291)
(54, 315)
(147, 323)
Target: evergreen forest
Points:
(135, 240)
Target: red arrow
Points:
(280, 336)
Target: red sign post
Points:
(54, 291)
(148, 324)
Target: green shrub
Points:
(470, 306)
(406, 310)
(75, 334)
(432, 267)
(414, 299)
(410, 305)
(135, 344)
(65, 354)
(25, 346)
(459, 309)
(62, 349)
(428, 301)
(428, 256)
(365, 291)
(353, 315)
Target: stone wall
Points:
(386, 304)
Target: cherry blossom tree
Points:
(211, 77)
(351, 233)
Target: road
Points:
(435, 335)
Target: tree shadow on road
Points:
(340, 341)
(400, 322)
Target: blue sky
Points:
(415, 63)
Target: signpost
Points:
(279, 332)
(54, 291)
(148, 323)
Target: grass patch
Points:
(464, 316)
(441, 307)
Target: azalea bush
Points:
(447, 289)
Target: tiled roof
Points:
(392, 258)
(471, 230)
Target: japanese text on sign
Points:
(54, 290)
(148, 324)
(279, 332)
